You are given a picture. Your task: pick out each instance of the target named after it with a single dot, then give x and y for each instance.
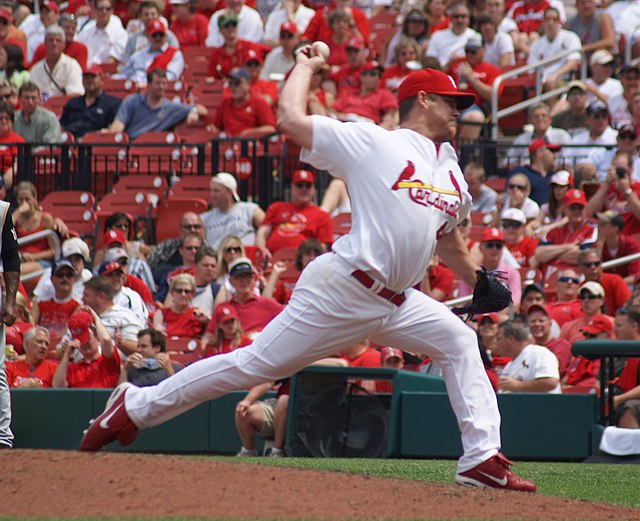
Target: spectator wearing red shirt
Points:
(566, 307)
(191, 28)
(286, 225)
(181, 320)
(347, 77)
(35, 370)
(562, 245)
(406, 53)
(254, 312)
(266, 89)
(232, 52)
(54, 314)
(438, 280)
(372, 102)
(592, 298)
(474, 76)
(8, 140)
(339, 21)
(528, 15)
(521, 247)
(243, 114)
(619, 192)
(362, 355)
(582, 373)
(539, 324)
(96, 369)
(228, 334)
(15, 332)
(614, 244)
(318, 28)
(72, 48)
(390, 358)
(6, 24)
(616, 292)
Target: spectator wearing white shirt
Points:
(598, 133)
(289, 11)
(281, 58)
(158, 55)
(498, 47)
(124, 296)
(619, 104)
(136, 29)
(34, 26)
(532, 369)
(553, 41)
(627, 141)
(57, 74)
(250, 25)
(448, 45)
(104, 35)
(601, 85)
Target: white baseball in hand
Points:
(320, 49)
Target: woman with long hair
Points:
(230, 249)
(414, 26)
(12, 65)
(406, 52)
(228, 336)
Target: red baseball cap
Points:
(156, 26)
(302, 176)
(354, 43)
(491, 316)
(574, 196)
(372, 66)
(253, 55)
(225, 312)
(113, 236)
(492, 234)
(537, 307)
(598, 324)
(537, 144)
(390, 352)
(108, 267)
(96, 70)
(433, 82)
(5, 16)
(51, 6)
(79, 325)
(289, 27)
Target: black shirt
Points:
(79, 119)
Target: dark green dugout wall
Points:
(420, 421)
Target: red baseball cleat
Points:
(113, 424)
(495, 473)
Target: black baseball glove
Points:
(490, 295)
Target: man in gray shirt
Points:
(34, 123)
(229, 215)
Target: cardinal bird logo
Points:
(405, 175)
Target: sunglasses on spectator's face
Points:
(234, 82)
(511, 224)
(494, 245)
(191, 226)
(233, 249)
(229, 24)
(286, 36)
(157, 35)
(191, 248)
(588, 296)
(183, 291)
(471, 51)
(593, 264)
(304, 185)
(253, 63)
(123, 262)
(512, 186)
(566, 280)
(64, 274)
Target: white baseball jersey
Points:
(544, 48)
(534, 362)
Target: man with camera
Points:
(151, 364)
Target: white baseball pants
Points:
(330, 310)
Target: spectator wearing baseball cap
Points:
(318, 27)
(552, 210)
(616, 244)
(542, 163)
(249, 23)
(158, 55)
(348, 76)
(372, 102)
(492, 243)
(35, 25)
(243, 114)
(540, 324)
(599, 132)
(228, 335)
(619, 104)
(124, 296)
(94, 110)
(539, 117)
(296, 18)
(281, 59)
(253, 62)
(190, 27)
(592, 300)
(599, 159)
(573, 118)
(287, 224)
(603, 85)
(104, 35)
(229, 215)
(390, 358)
(100, 363)
(562, 245)
(512, 222)
(616, 291)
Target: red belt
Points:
(385, 293)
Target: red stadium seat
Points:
(154, 186)
(341, 224)
(183, 350)
(74, 199)
(191, 186)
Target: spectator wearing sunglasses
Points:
(592, 303)
(616, 291)
(266, 89)
(181, 319)
(561, 246)
(517, 196)
(294, 13)
(189, 245)
(166, 253)
(492, 243)
(542, 163)
(566, 306)
(522, 248)
(278, 62)
(249, 21)
(598, 132)
(613, 244)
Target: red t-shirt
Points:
(562, 349)
(318, 29)
(372, 105)
(221, 63)
(483, 71)
(137, 285)
(368, 358)
(233, 119)
(7, 152)
(337, 53)
(15, 333)
(102, 372)
(76, 50)
(583, 372)
(181, 324)
(346, 78)
(441, 277)
(55, 316)
(254, 314)
(192, 33)
(563, 312)
(616, 201)
(616, 292)
(293, 224)
(259, 88)
(18, 372)
(523, 250)
(283, 291)
(528, 15)
(226, 346)
(442, 24)
(627, 246)
(393, 76)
